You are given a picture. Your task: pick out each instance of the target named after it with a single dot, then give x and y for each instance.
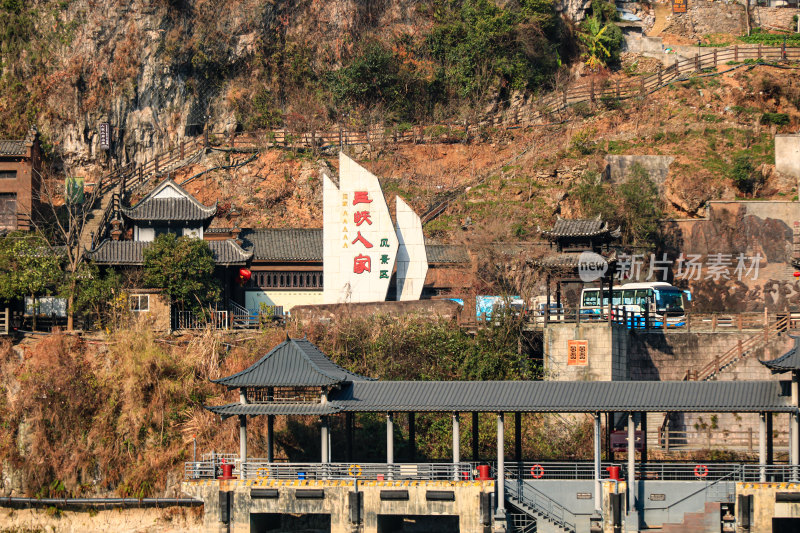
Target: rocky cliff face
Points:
(158, 71)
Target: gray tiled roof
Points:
(166, 209)
(293, 363)
(228, 252)
(289, 244)
(577, 228)
(564, 396)
(788, 361)
(13, 147)
(110, 252)
(305, 244)
(277, 408)
(447, 253)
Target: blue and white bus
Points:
(658, 299)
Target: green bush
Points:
(779, 119)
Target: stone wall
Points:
(787, 155)
(433, 308)
(158, 316)
(335, 502)
(607, 357)
(753, 229)
(778, 18)
(654, 356)
(618, 167)
(703, 18)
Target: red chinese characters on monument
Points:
(361, 264)
(359, 217)
(361, 197)
(360, 238)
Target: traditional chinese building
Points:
(287, 265)
(581, 253)
(20, 163)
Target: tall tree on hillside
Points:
(28, 267)
(183, 267)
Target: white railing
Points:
(263, 469)
(190, 320)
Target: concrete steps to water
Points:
(706, 522)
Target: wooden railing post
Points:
(759, 51)
(714, 322)
(659, 76)
(642, 88)
(666, 437)
(739, 322)
(715, 58)
(591, 90)
(739, 348)
(697, 62)
(688, 322)
(206, 144)
(736, 53)
(155, 163)
(616, 83)
(183, 149)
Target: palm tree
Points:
(596, 41)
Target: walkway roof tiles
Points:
(564, 396)
(297, 409)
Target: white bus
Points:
(658, 299)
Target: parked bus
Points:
(657, 299)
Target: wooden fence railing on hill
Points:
(535, 111)
(131, 176)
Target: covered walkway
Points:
(296, 378)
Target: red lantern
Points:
(797, 274)
(244, 276)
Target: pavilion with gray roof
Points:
(296, 378)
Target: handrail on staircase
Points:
(741, 350)
(551, 510)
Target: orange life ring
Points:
(701, 471)
(537, 471)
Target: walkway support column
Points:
(389, 438)
(243, 441)
(456, 439)
(632, 524)
(412, 435)
(242, 432)
(598, 492)
(500, 514)
(324, 437)
(762, 447)
(348, 423)
(475, 436)
(518, 437)
(794, 422)
(270, 438)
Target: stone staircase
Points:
(132, 178)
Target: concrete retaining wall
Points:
(335, 502)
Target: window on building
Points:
(8, 174)
(139, 303)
